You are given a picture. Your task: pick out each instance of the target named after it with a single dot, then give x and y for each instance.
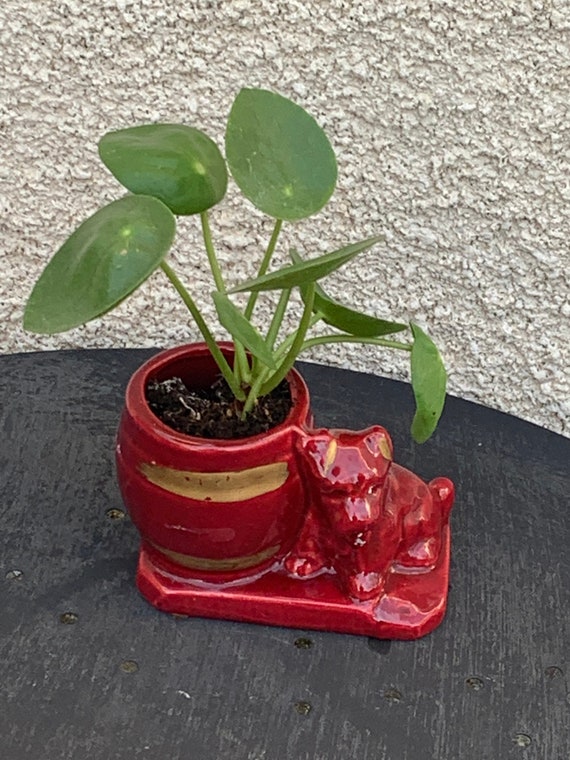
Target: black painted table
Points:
(90, 671)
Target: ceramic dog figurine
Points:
(368, 516)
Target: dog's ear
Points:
(378, 442)
(318, 450)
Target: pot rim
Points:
(138, 408)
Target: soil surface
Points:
(214, 412)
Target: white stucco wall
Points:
(450, 122)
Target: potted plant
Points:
(245, 511)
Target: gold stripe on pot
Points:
(220, 565)
(218, 486)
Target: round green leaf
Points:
(102, 262)
(278, 155)
(179, 165)
(429, 381)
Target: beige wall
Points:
(450, 122)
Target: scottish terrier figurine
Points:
(368, 516)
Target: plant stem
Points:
(278, 315)
(322, 339)
(219, 358)
(241, 369)
(296, 345)
(214, 266)
(285, 345)
(264, 265)
(254, 393)
(259, 372)
(256, 372)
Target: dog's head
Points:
(346, 460)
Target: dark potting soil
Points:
(214, 412)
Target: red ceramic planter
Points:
(298, 527)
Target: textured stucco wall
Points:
(450, 122)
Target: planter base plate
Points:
(411, 605)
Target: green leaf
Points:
(278, 155)
(429, 381)
(310, 270)
(344, 318)
(241, 329)
(102, 262)
(179, 165)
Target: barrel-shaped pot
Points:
(209, 509)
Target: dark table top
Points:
(89, 670)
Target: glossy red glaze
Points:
(314, 529)
(213, 532)
(367, 516)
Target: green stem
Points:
(241, 370)
(285, 345)
(264, 265)
(214, 266)
(219, 358)
(296, 345)
(323, 339)
(259, 372)
(254, 392)
(278, 315)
